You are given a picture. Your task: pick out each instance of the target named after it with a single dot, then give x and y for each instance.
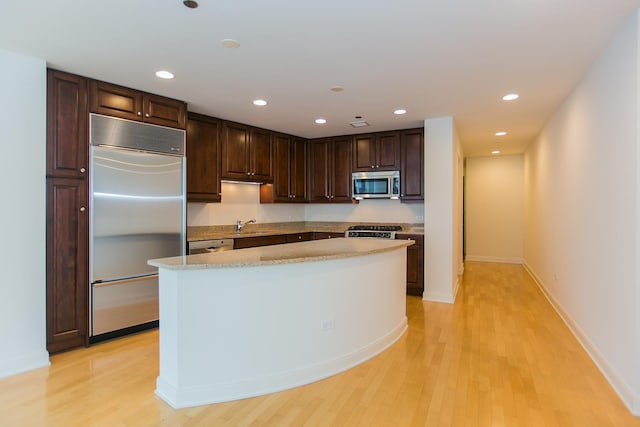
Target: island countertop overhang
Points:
(311, 251)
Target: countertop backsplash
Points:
(242, 202)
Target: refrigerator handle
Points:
(103, 284)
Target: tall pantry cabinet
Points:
(67, 227)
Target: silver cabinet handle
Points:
(82, 209)
(146, 115)
(82, 170)
(139, 113)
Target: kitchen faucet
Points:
(240, 225)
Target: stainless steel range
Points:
(379, 231)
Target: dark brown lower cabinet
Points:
(299, 237)
(67, 264)
(319, 235)
(415, 264)
(252, 242)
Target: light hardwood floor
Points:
(500, 356)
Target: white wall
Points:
(367, 211)
(581, 212)
(22, 254)
(443, 202)
(242, 201)
(494, 208)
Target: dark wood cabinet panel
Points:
(118, 101)
(164, 111)
(411, 165)
(246, 153)
(67, 264)
(281, 168)
(376, 152)
(298, 170)
(341, 176)
(319, 235)
(364, 152)
(289, 171)
(67, 125)
(260, 164)
(299, 237)
(114, 100)
(203, 158)
(415, 264)
(252, 242)
(319, 169)
(330, 170)
(235, 151)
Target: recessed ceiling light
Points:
(164, 74)
(495, 152)
(337, 89)
(511, 97)
(501, 133)
(260, 102)
(230, 43)
(321, 121)
(400, 111)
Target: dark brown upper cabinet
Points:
(289, 176)
(131, 104)
(330, 170)
(67, 125)
(376, 152)
(203, 158)
(411, 165)
(246, 153)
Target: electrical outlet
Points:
(419, 218)
(326, 325)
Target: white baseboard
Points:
(438, 297)
(479, 258)
(626, 393)
(24, 363)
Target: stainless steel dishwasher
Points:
(208, 246)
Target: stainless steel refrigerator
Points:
(137, 202)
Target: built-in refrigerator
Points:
(138, 206)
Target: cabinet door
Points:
(411, 165)
(364, 152)
(203, 158)
(281, 168)
(260, 155)
(341, 169)
(117, 101)
(67, 125)
(387, 151)
(164, 111)
(415, 264)
(298, 171)
(252, 242)
(299, 237)
(235, 151)
(67, 264)
(319, 167)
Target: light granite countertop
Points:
(270, 229)
(316, 250)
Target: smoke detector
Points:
(360, 124)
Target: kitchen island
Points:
(249, 322)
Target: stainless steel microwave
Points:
(375, 185)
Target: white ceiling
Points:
(434, 57)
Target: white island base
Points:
(232, 329)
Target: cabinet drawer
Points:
(252, 242)
(299, 237)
